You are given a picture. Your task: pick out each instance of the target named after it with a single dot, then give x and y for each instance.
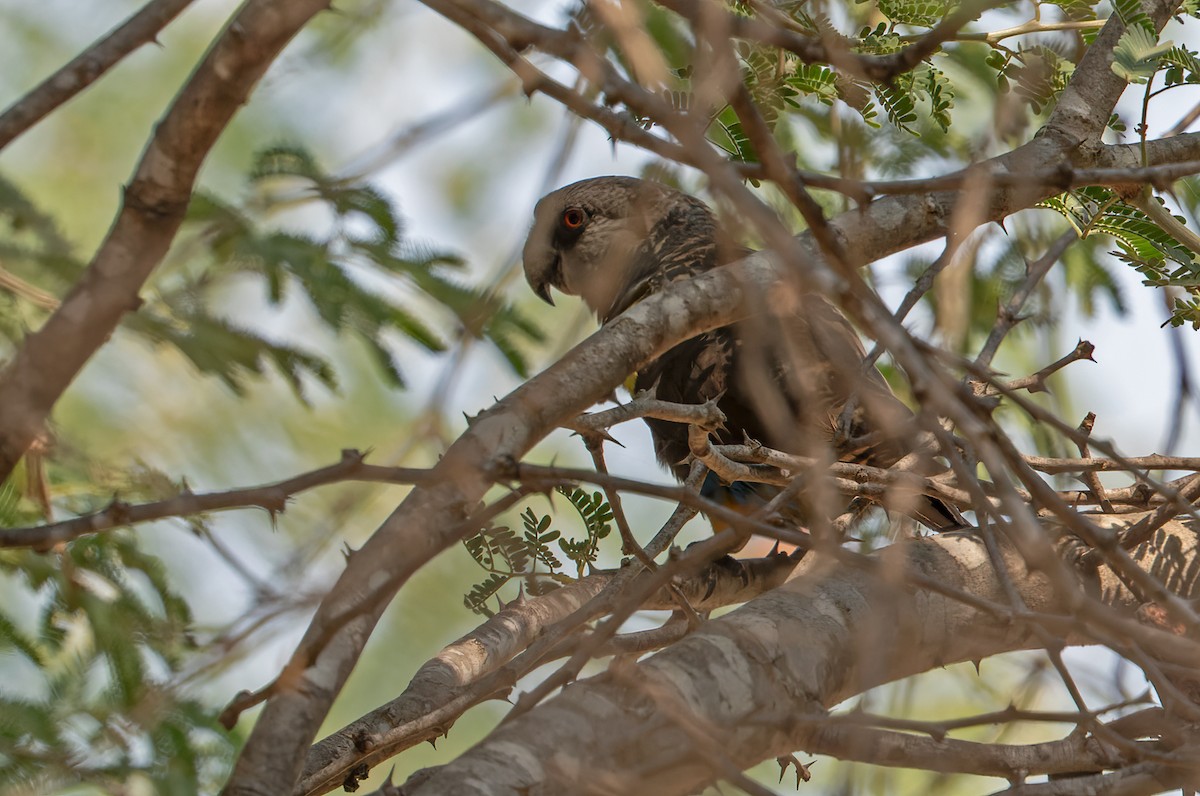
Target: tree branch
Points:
(153, 209)
(430, 519)
(83, 70)
(271, 497)
(784, 654)
(455, 679)
(1075, 753)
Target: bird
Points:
(791, 378)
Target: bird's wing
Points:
(795, 382)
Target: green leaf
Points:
(285, 160)
(1076, 10)
(1161, 259)
(932, 84)
(726, 132)
(476, 599)
(217, 347)
(899, 106)
(1182, 66)
(1036, 74)
(371, 204)
(1137, 54)
(1130, 12)
(880, 40)
(924, 13)
(814, 80)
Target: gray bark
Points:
(831, 632)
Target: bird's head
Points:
(606, 238)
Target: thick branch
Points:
(788, 653)
(450, 683)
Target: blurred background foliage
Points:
(348, 278)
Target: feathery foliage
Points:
(531, 557)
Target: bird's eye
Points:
(574, 217)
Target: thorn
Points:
(347, 551)
(802, 770)
(593, 439)
(500, 696)
(432, 741)
(978, 663)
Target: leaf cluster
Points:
(533, 556)
(921, 101)
(352, 265)
(1142, 243)
(105, 635)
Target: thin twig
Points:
(629, 544)
(271, 497)
(1010, 314)
(1091, 478)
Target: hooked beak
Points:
(543, 265)
(542, 288)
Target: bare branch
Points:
(140, 29)
(1141, 778)
(705, 415)
(271, 497)
(1009, 315)
(1036, 382)
(31, 293)
(1077, 752)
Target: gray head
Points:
(606, 240)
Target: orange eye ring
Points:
(574, 218)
